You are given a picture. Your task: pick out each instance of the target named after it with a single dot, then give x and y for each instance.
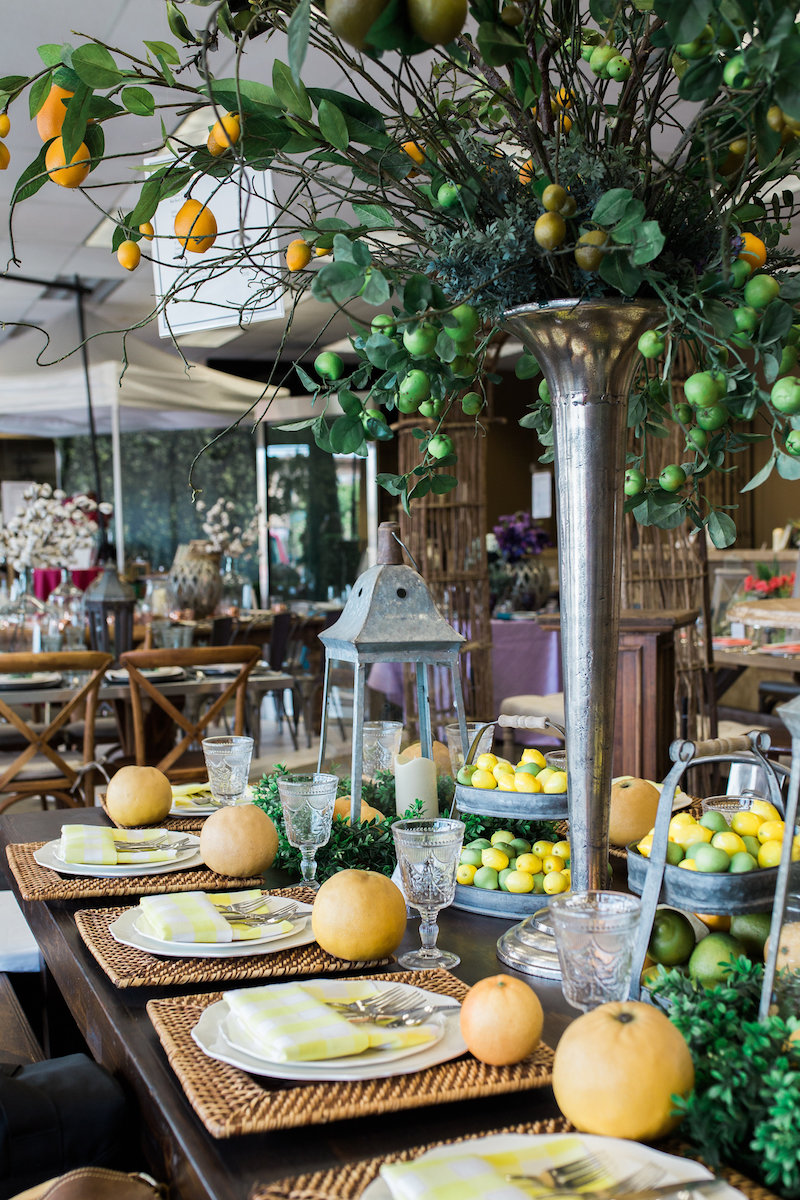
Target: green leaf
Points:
(749, 212)
(619, 271)
(526, 367)
(163, 50)
(311, 385)
(138, 101)
(296, 426)
(379, 349)
(243, 95)
(775, 323)
(337, 281)
(95, 66)
(377, 290)
(648, 243)
(299, 28)
(31, 179)
(322, 435)
(349, 251)
(74, 127)
(760, 476)
(95, 141)
(332, 125)
(612, 206)
(702, 80)
(417, 293)
(625, 229)
(50, 53)
(721, 529)
(442, 484)
(347, 435)
(685, 18)
(720, 317)
(66, 78)
(38, 94)
(101, 108)
(379, 430)
(498, 45)
(12, 83)
(788, 467)
(374, 216)
(164, 182)
(177, 24)
(292, 95)
(350, 404)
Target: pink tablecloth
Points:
(46, 580)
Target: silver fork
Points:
(572, 1177)
(384, 1003)
(157, 844)
(272, 918)
(408, 1016)
(247, 907)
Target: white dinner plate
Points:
(220, 669)
(681, 800)
(626, 1156)
(203, 810)
(210, 1035)
(48, 856)
(33, 679)
(124, 930)
(162, 673)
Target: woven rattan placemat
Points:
(229, 1101)
(127, 966)
(188, 824)
(40, 883)
(350, 1181)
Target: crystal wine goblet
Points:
(307, 802)
(228, 764)
(427, 855)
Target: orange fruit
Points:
(359, 916)
(753, 251)
(128, 255)
(342, 809)
(589, 250)
(718, 922)
(5, 156)
(195, 227)
(238, 840)
(501, 1020)
(66, 175)
(147, 231)
(50, 116)
(415, 152)
(298, 255)
(617, 1068)
(138, 796)
(226, 132)
(5, 125)
(527, 172)
(550, 230)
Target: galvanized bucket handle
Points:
(685, 754)
(530, 722)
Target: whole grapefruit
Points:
(359, 916)
(138, 796)
(501, 1020)
(238, 840)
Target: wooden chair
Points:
(194, 730)
(40, 769)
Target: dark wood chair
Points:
(41, 768)
(190, 730)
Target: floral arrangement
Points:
(222, 536)
(767, 582)
(51, 529)
(518, 536)
(616, 149)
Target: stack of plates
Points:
(128, 930)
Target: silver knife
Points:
(686, 1186)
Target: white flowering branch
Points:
(222, 536)
(50, 529)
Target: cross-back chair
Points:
(192, 729)
(40, 769)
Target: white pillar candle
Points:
(416, 780)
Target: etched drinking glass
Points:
(228, 766)
(458, 753)
(307, 802)
(380, 746)
(427, 855)
(595, 934)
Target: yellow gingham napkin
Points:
(181, 793)
(194, 917)
(292, 1023)
(94, 846)
(464, 1173)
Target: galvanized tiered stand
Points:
(656, 880)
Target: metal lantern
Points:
(786, 906)
(390, 617)
(109, 610)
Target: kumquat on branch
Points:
(472, 157)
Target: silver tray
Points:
(711, 892)
(510, 905)
(525, 806)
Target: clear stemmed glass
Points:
(307, 802)
(427, 855)
(228, 764)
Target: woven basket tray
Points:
(230, 1102)
(128, 967)
(40, 883)
(348, 1182)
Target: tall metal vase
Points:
(587, 352)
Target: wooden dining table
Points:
(177, 1147)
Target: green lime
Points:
(487, 879)
(710, 858)
(691, 851)
(752, 930)
(520, 846)
(751, 844)
(465, 774)
(675, 853)
(741, 862)
(714, 820)
(471, 857)
(479, 844)
(672, 939)
(538, 882)
(711, 958)
(528, 768)
(503, 876)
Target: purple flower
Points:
(518, 536)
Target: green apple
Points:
(420, 342)
(329, 365)
(785, 395)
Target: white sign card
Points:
(541, 495)
(211, 293)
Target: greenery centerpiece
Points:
(467, 162)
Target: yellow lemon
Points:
(465, 874)
(556, 785)
(764, 809)
(689, 835)
(542, 848)
(501, 835)
(501, 769)
(494, 858)
(555, 882)
(688, 864)
(553, 862)
(486, 762)
(746, 823)
(531, 863)
(682, 818)
(505, 782)
(519, 882)
(526, 783)
(530, 754)
(770, 854)
(544, 775)
(770, 831)
(796, 848)
(562, 850)
(645, 845)
(484, 779)
(730, 842)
